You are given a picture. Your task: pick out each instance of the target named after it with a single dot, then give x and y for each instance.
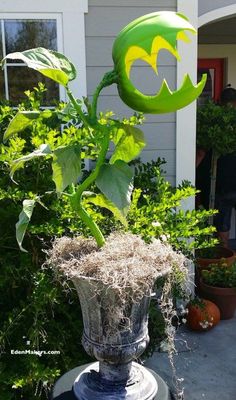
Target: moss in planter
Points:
(125, 264)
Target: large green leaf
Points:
(21, 120)
(49, 63)
(24, 218)
(129, 142)
(101, 201)
(42, 151)
(115, 182)
(66, 166)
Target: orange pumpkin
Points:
(202, 315)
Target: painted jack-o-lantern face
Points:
(143, 39)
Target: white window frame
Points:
(19, 16)
(70, 30)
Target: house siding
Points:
(210, 5)
(104, 20)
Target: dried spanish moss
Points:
(125, 261)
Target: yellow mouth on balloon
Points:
(135, 52)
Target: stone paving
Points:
(206, 361)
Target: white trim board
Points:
(186, 118)
(217, 14)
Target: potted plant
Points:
(114, 277)
(218, 284)
(216, 136)
(205, 257)
(216, 132)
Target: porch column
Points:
(186, 118)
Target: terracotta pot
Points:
(219, 253)
(224, 298)
(203, 263)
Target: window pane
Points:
(2, 91)
(27, 34)
(23, 78)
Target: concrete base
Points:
(63, 387)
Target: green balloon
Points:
(142, 39)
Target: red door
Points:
(214, 68)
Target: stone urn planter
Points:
(115, 303)
(115, 344)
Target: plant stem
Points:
(108, 79)
(214, 159)
(76, 198)
(94, 228)
(77, 107)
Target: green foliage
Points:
(156, 328)
(220, 275)
(66, 166)
(156, 212)
(116, 182)
(216, 128)
(92, 137)
(24, 218)
(48, 62)
(35, 309)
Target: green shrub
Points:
(220, 275)
(156, 212)
(36, 311)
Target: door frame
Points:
(218, 65)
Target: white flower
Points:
(156, 223)
(163, 238)
(205, 324)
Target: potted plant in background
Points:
(216, 136)
(205, 257)
(218, 284)
(216, 132)
(117, 341)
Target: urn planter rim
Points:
(73, 276)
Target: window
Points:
(19, 35)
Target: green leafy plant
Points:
(220, 275)
(34, 307)
(216, 131)
(156, 212)
(114, 178)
